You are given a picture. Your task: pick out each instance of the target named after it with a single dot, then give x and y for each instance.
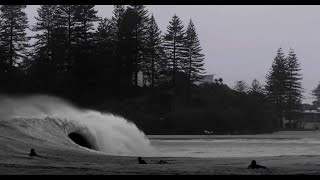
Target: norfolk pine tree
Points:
(256, 87)
(13, 38)
(154, 52)
(64, 35)
(241, 86)
(175, 46)
(193, 62)
(140, 18)
(294, 89)
(45, 24)
(276, 80)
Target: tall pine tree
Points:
(103, 37)
(85, 16)
(316, 94)
(45, 24)
(294, 89)
(64, 39)
(256, 88)
(3, 59)
(276, 84)
(116, 24)
(154, 52)
(241, 86)
(140, 20)
(128, 48)
(193, 62)
(116, 37)
(13, 38)
(175, 46)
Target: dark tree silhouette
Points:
(45, 24)
(85, 16)
(241, 86)
(256, 87)
(316, 94)
(117, 35)
(13, 38)
(193, 63)
(128, 47)
(294, 89)
(3, 62)
(175, 46)
(103, 64)
(140, 21)
(276, 83)
(154, 52)
(97, 68)
(103, 37)
(64, 36)
(116, 22)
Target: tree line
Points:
(99, 66)
(283, 85)
(67, 42)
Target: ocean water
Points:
(45, 122)
(277, 144)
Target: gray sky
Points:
(240, 42)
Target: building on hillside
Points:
(307, 119)
(206, 79)
(142, 80)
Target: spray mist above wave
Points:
(112, 135)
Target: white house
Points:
(308, 119)
(206, 79)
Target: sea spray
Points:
(113, 135)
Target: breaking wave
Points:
(57, 123)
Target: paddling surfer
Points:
(254, 165)
(33, 153)
(141, 161)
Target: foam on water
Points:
(277, 144)
(47, 121)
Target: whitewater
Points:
(45, 123)
(301, 143)
(49, 120)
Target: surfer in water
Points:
(162, 162)
(33, 153)
(254, 165)
(141, 161)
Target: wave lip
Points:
(52, 120)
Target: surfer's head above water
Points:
(253, 163)
(33, 153)
(141, 161)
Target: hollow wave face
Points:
(57, 122)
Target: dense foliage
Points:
(99, 67)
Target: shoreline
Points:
(275, 135)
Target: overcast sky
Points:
(240, 42)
